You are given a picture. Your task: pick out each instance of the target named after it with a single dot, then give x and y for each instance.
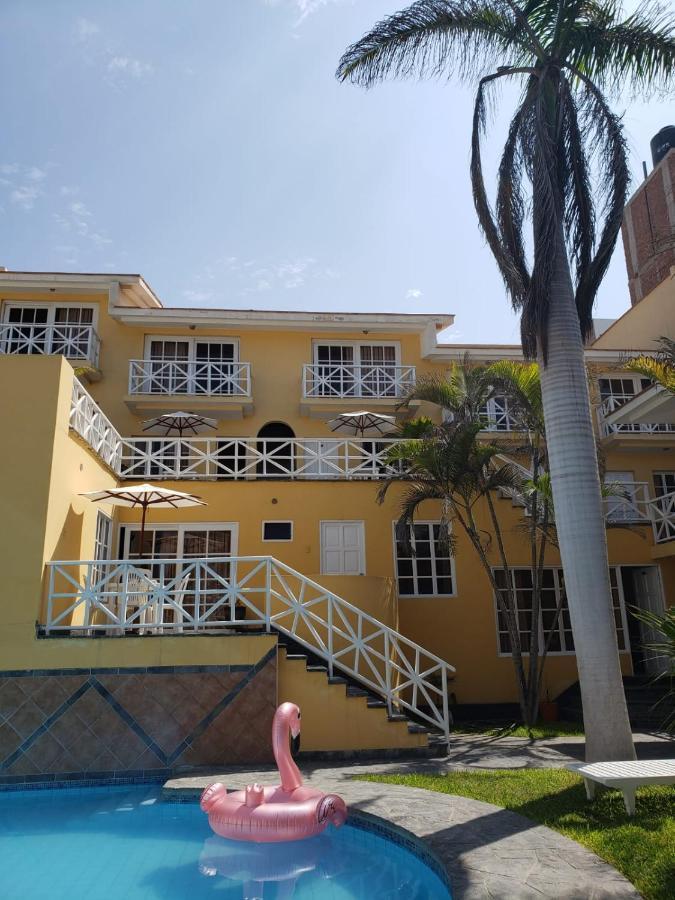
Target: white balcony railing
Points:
(94, 427)
(662, 511)
(610, 404)
(203, 377)
(196, 595)
(350, 381)
(73, 341)
(241, 458)
(629, 502)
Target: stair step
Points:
(397, 717)
(337, 679)
(296, 656)
(317, 668)
(413, 728)
(372, 703)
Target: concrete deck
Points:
(488, 852)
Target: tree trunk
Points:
(579, 517)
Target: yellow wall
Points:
(644, 323)
(333, 721)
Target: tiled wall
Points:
(97, 723)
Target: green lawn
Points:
(641, 847)
(536, 732)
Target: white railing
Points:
(610, 404)
(242, 458)
(662, 511)
(94, 427)
(340, 380)
(628, 502)
(207, 377)
(72, 341)
(196, 595)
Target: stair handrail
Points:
(107, 595)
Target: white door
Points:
(649, 597)
(342, 548)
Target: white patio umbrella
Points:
(179, 423)
(362, 423)
(143, 496)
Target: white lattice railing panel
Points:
(662, 511)
(94, 427)
(242, 458)
(72, 341)
(209, 378)
(164, 596)
(343, 381)
(611, 404)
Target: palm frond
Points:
(432, 38)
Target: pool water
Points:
(123, 842)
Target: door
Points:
(378, 371)
(334, 371)
(214, 368)
(170, 367)
(649, 597)
(26, 336)
(342, 548)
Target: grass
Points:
(535, 732)
(642, 847)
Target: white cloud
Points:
(413, 294)
(196, 298)
(303, 8)
(85, 30)
(125, 65)
(10, 168)
(25, 196)
(78, 219)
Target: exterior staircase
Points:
(359, 716)
(647, 701)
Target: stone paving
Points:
(488, 851)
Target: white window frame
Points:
(181, 528)
(276, 540)
(191, 341)
(103, 546)
(362, 548)
(556, 578)
(453, 571)
(316, 343)
(658, 474)
(51, 308)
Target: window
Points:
(622, 506)
(355, 370)
(616, 391)
(102, 543)
(664, 483)
(277, 531)
(191, 366)
(553, 593)
(423, 568)
(61, 330)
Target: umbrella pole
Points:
(145, 509)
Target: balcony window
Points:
(616, 391)
(190, 366)
(46, 330)
(357, 369)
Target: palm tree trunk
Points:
(580, 523)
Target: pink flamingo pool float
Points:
(286, 812)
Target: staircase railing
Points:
(158, 596)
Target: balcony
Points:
(209, 384)
(662, 513)
(617, 427)
(236, 459)
(76, 342)
(331, 383)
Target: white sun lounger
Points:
(625, 776)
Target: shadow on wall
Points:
(67, 546)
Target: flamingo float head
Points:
(290, 714)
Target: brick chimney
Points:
(648, 229)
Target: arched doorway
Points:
(278, 452)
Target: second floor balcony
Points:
(346, 381)
(217, 384)
(78, 343)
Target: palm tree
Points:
(563, 171)
(660, 367)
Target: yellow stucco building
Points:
(288, 582)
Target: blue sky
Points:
(208, 146)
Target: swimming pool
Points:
(123, 842)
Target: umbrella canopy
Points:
(179, 423)
(362, 423)
(143, 496)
